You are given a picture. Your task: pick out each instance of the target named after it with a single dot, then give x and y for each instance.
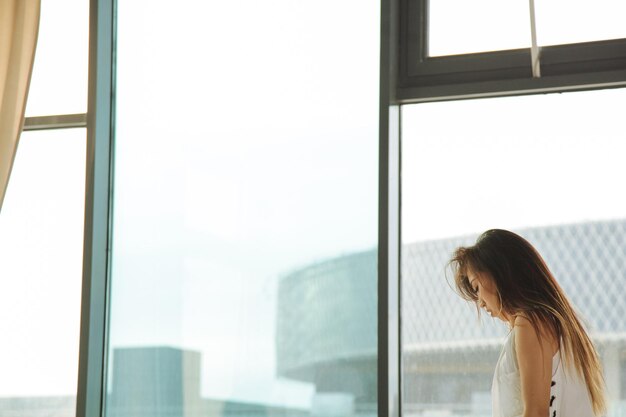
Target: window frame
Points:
(100, 120)
(60, 121)
(567, 67)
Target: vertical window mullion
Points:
(97, 202)
(389, 219)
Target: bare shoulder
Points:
(531, 340)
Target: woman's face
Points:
(485, 289)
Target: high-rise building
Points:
(155, 382)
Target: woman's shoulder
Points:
(534, 335)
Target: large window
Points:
(244, 233)
(549, 167)
(237, 271)
(546, 166)
(41, 225)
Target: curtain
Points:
(19, 26)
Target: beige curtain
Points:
(19, 25)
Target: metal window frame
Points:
(90, 399)
(389, 335)
(59, 121)
(579, 66)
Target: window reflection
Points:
(245, 210)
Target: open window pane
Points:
(41, 241)
(463, 27)
(565, 21)
(245, 218)
(59, 80)
(549, 167)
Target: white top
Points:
(568, 394)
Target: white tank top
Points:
(568, 394)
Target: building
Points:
(160, 381)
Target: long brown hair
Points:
(525, 285)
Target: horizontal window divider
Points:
(507, 87)
(594, 61)
(584, 51)
(485, 61)
(465, 77)
(583, 67)
(60, 121)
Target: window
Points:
(243, 275)
(42, 222)
(555, 181)
(546, 166)
(479, 63)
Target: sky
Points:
(247, 150)
(511, 162)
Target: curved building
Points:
(326, 325)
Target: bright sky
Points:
(512, 162)
(458, 26)
(247, 147)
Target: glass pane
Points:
(549, 167)
(244, 253)
(463, 27)
(59, 80)
(561, 22)
(41, 248)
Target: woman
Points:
(548, 365)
